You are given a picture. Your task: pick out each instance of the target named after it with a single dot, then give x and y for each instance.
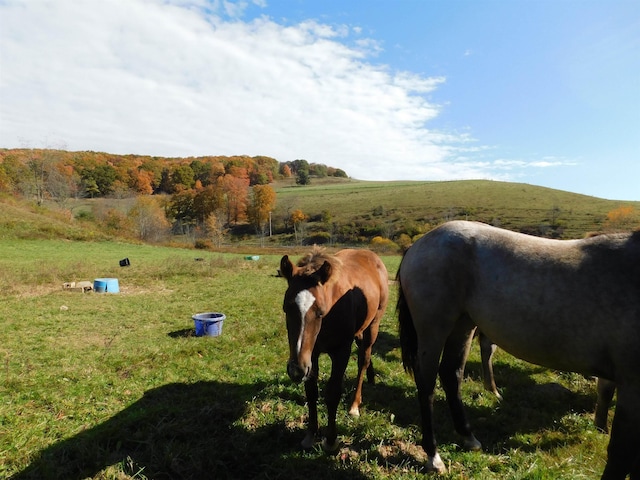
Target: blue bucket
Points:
(208, 324)
(106, 285)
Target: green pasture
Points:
(116, 386)
(514, 206)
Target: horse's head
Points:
(305, 304)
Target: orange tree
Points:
(297, 219)
(261, 202)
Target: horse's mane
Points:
(313, 260)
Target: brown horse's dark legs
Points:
(311, 392)
(364, 361)
(333, 392)
(624, 453)
(372, 334)
(364, 365)
(371, 373)
(454, 358)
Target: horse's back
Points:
(567, 304)
(364, 266)
(365, 270)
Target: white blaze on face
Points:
(304, 300)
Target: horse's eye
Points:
(319, 313)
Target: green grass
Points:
(117, 386)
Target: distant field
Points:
(510, 205)
(117, 387)
(375, 208)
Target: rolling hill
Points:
(354, 211)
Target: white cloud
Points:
(175, 79)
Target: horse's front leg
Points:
(311, 392)
(333, 392)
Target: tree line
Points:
(57, 174)
(210, 192)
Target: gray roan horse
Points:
(565, 304)
(330, 301)
(605, 388)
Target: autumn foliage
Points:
(262, 202)
(198, 196)
(94, 174)
(621, 218)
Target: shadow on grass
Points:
(195, 431)
(184, 333)
(385, 344)
(185, 431)
(528, 408)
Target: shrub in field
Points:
(202, 244)
(404, 241)
(383, 245)
(318, 238)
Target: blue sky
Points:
(540, 92)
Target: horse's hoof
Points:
(601, 423)
(330, 447)
(354, 412)
(435, 465)
(602, 428)
(309, 441)
(471, 444)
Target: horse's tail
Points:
(408, 335)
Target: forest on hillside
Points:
(56, 173)
(212, 193)
(212, 201)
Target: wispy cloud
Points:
(182, 78)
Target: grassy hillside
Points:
(514, 206)
(23, 220)
(354, 211)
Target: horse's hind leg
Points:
(425, 374)
(365, 364)
(606, 389)
(487, 349)
(624, 448)
(454, 358)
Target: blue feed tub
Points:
(106, 285)
(208, 324)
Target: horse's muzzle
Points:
(296, 374)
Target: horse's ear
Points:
(324, 272)
(286, 267)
